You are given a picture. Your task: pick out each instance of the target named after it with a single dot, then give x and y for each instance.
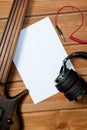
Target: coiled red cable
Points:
(72, 37)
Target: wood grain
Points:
(40, 7)
(56, 120)
(56, 112)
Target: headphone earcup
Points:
(69, 78)
(77, 90)
(71, 85)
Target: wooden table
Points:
(56, 112)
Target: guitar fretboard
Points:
(10, 36)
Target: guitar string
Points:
(13, 21)
(4, 36)
(4, 40)
(17, 23)
(10, 33)
(6, 30)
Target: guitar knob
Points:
(9, 121)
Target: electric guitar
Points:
(9, 105)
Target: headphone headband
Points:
(76, 54)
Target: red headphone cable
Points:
(71, 36)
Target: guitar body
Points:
(9, 110)
(9, 106)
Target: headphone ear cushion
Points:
(72, 85)
(77, 89)
(69, 78)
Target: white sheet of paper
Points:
(38, 58)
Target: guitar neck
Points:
(10, 36)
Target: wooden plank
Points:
(49, 6)
(56, 120)
(40, 7)
(5, 6)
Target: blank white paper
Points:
(38, 58)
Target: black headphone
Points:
(69, 82)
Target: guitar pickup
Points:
(1, 113)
